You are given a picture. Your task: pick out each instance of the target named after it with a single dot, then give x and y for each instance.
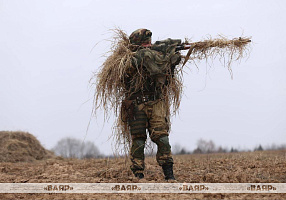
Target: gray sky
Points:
(46, 62)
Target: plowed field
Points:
(248, 167)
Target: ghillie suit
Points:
(142, 84)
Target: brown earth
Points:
(249, 167)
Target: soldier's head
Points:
(141, 37)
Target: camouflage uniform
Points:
(152, 116)
(150, 108)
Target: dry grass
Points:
(21, 147)
(226, 50)
(109, 83)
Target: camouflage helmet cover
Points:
(140, 36)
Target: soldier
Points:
(147, 78)
(150, 109)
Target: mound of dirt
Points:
(21, 147)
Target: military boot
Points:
(139, 175)
(168, 171)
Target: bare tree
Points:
(276, 147)
(177, 149)
(89, 150)
(75, 148)
(220, 149)
(204, 146)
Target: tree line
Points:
(75, 148)
(208, 146)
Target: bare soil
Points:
(248, 167)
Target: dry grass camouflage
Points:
(110, 89)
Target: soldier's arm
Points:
(167, 46)
(146, 58)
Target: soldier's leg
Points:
(163, 155)
(159, 133)
(138, 135)
(137, 156)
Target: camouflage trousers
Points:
(151, 116)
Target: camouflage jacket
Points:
(155, 66)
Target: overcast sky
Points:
(47, 58)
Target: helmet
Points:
(140, 36)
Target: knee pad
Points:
(164, 150)
(139, 142)
(162, 141)
(137, 149)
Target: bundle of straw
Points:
(226, 49)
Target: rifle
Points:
(173, 45)
(176, 45)
(168, 45)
